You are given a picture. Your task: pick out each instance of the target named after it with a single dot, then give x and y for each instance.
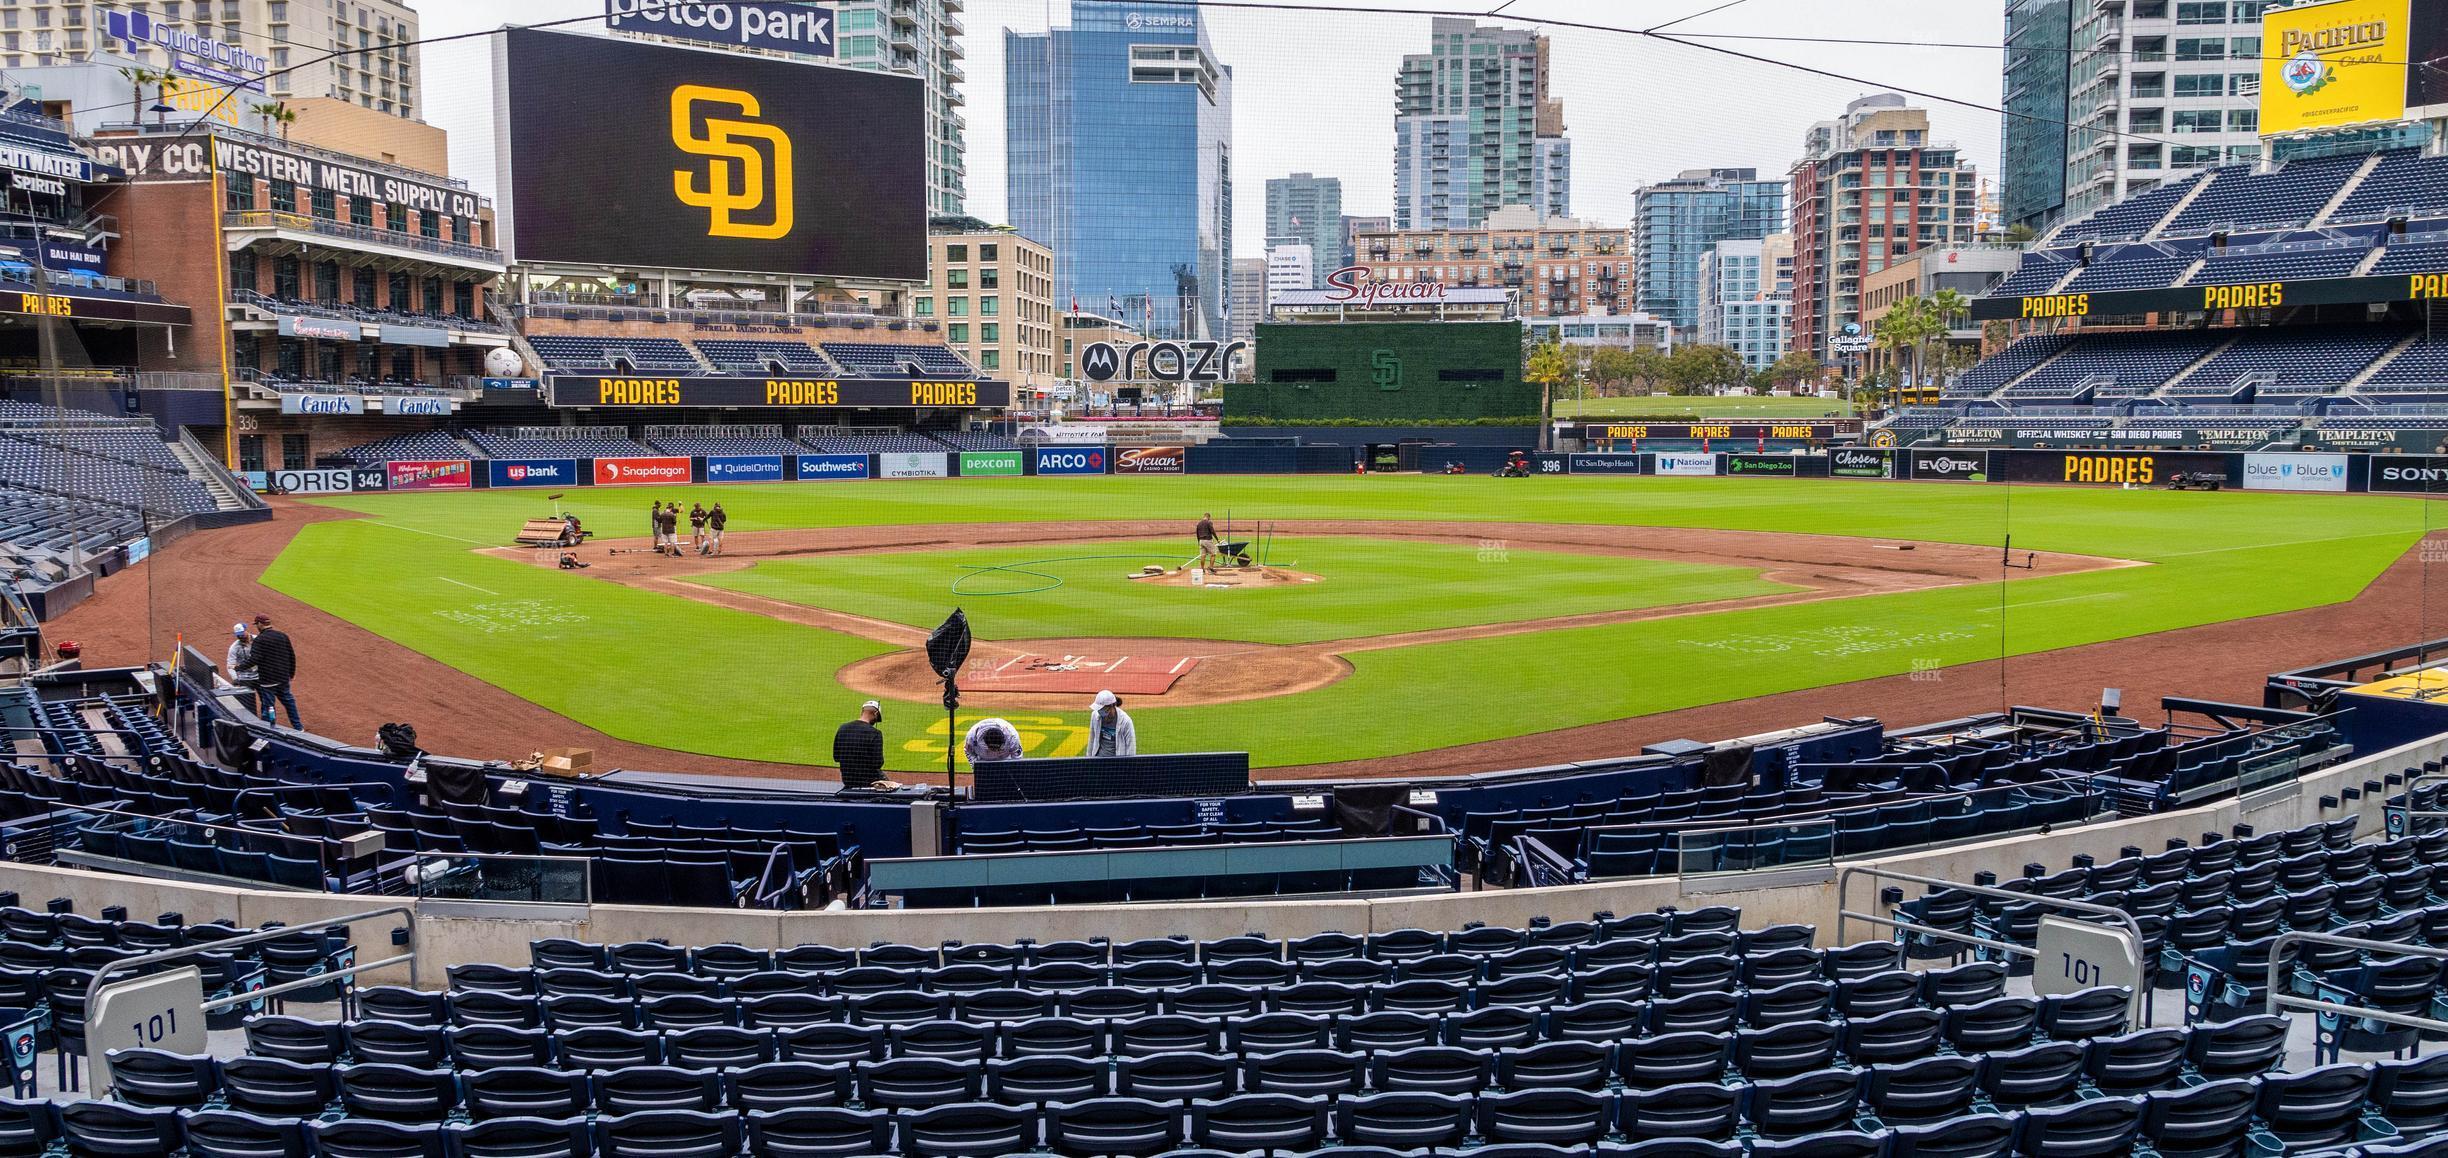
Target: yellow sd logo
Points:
(727, 141)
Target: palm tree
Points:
(1906, 325)
(1546, 366)
(275, 113)
(139, 77)
(1946, 306)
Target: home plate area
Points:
(1128, 675)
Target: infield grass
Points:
(667, 671)
(1364, 587)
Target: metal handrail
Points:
(2123, 920)
(2279, 961)
(93, 988)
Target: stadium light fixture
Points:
(947, 649)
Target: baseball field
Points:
(1409, 613)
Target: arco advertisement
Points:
(426, 475)
(990, 463)
(741, 468)
(637, 472)
(1070, 460)
(831, 467)
(532, 472)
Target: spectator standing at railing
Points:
(239, 664)
(275, 666)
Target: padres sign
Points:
(740, 163)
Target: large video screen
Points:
(629, 154)
(2427, 54)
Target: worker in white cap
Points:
(1109, 728)
(239, 664)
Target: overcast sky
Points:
(1314, 92)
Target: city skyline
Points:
(1321, 101)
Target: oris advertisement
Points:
(1951, 465)
(632, 472)
(744, 468)
(2410, 474)
(1070, 460)
(533, 472)
(2295, 472)
(1854, 462)
(830, 467)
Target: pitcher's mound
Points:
(1228, 578)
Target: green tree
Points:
(1697, 369)
(1793, 369)
(274, 113)
(1546, 366)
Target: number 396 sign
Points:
(164, 1011)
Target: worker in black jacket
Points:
(275, 666)
(858, 748)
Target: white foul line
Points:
(469, 586)
(435, 534)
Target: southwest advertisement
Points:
(2325, 66)
(703, 159)
(831, 467)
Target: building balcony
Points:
(246, 226)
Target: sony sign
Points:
(1353, 284)
(1160, 361)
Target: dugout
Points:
(1393, 372)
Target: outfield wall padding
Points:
(1215, 459)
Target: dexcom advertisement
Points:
(627, 154)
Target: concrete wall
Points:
(1814, 900)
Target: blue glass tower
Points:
(1119, 134)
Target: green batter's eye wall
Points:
(1385, 371)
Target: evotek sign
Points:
(1951, 465)
(1352, 285)
(690, 158)
(1160, 361)
(781, 26)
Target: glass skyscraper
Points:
(1120, 158)
(1676, 222)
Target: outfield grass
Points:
(1365, 587)
(1734, 407)
(662, 670)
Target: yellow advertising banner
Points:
(2327, 65)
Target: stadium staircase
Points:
(2178, 377)
(2354, 181)
(2036, 367)
(228, 494)
(509, 323)
(2175, 211)
(2353, 389)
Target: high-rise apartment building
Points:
(1249, 297)
(993, 290)
(1120, 159)
(1474, 129)
(1308, 209)
(2107, 99)
(921, 38)
(360, 51)
(1871, 188)
(1560, 266)
(1353, 227)
(1675, 223)
(1746, 297)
